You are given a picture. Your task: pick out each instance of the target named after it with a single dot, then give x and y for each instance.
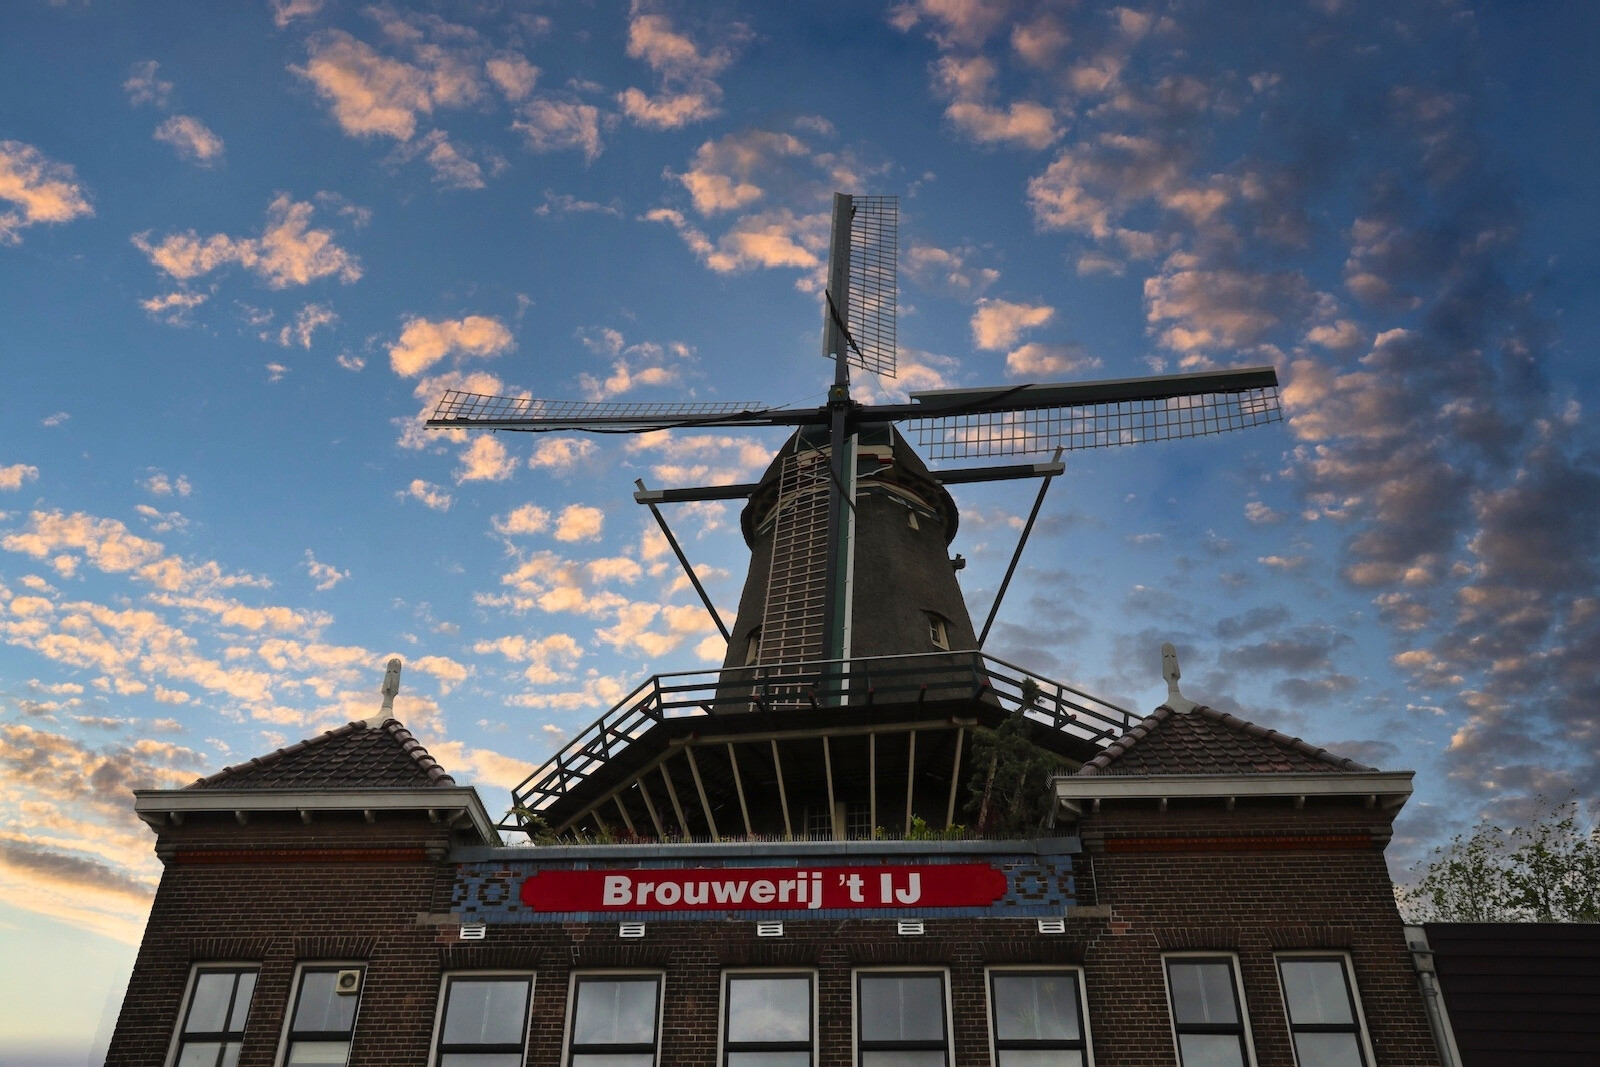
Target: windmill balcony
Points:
(831, 749)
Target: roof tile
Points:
(355, 756)
(1207, 741)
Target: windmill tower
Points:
(854, 675)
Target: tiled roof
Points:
(1207, 741)
(355, 756)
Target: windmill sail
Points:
(481, 412)
(874, 282)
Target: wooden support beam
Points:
(783, 794)
(672, 795)
(833, 810)
(650, 806)
(622, 809)
(700, 788)
(599, 821)
(738, 787)
(911, 777)
(955, 780)
(872, 781)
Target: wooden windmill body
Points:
(854, 679)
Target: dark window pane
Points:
(1202, 992)
(615, 1013)
(241, 1002)
(1210, 1050)
(320, 1008)
(769, 1009)
(1315, 992)
(1327, 1050)
(769, 1059)
(208, 1008)
(199, 1054)
(1053, 1058)
(486, 1011)
(902, 1059)
(1036, 1007)
(615, 1059)
(481, 1059)
(318, 1054)
(902, 1008)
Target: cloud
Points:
(951, 23)
(549, 124)
(948, 268)
(770, 239)
(452, 167)
(55, 419)
(1034, 360)
(561, 454)
(522, 520)
(996, 324)
(373, 95)
(191, 139)
(722, 175)
(286, 11)
(686, 90)
(968, 83)
(174, 307)
(423, 343)
(307, 321)
(579, 522)
(484, 460)
(159, 484)
(12, 477)
(325, 576)
(1194, 309)
(567, 204)
(513, 75)
(40, 190)
(144, 84)
(549, 658)
(288, 252)
(428, 494)
(1039, 42)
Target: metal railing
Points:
(860, 682)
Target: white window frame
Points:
(572, 1003)
(444, 990)
(938, 631)
(292, 1002)
(809, 973)
(195, 971)
(908, 970)
(1238, 991)
(1368, 1056)
(1030, 969)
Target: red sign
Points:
(955, 885)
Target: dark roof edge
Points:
(1144, 727)
(437, 775)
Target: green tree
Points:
(1009, 788)
(1546, 871)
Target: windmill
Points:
(848, 483)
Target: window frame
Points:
(175, 1045)
(1246, 1035)
(436, 1050)
(1359, 1026)
(945, 1006)
(938, 631)
(569, 1050)
(287, 1036)
(725, 1047)
(1085, 1041)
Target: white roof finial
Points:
(1169, 670)
(391, 689)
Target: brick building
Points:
(1211, 893)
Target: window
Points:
(767, 1020)
(1206, 1013)
(483, 1021)
(1324, 1018)
(1037, 1017)
(938, 631)
(901, 1020)
(752, 647)
(324, 1016)
(614, 1020)
(213, 1022)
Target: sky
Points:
(245, 247)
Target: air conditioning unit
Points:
(347, 983)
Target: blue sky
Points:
(244, 247)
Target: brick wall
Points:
(334, 891)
